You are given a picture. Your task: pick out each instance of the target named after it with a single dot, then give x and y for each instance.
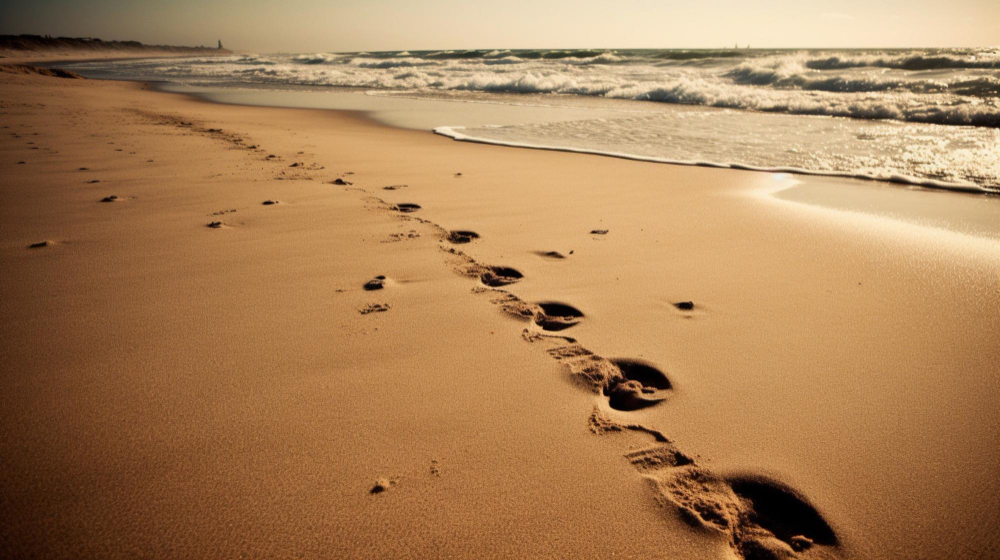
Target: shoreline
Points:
(942, 217)
(966, 188)
(493, 193)
(454, 132)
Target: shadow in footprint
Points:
(496, 276)
(640, 386)
(376, 283)
(783, 512)
(557, 316)
(462, 236)
(407, 207)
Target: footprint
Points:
(112, 198)
(641, 385)
(270, 202)
(462, 236)
(381, 485)
(496, 276)
(684, 305)
(376, 283)
(375, 308)
(40, 244)
(784, 512)
(762, 518)
(598, 232)
(550, 254)
(765, 519)
(658, 457)
(339, 181)
(407, 207)
(216, 225)
(557, 316)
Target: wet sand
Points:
(611, 358)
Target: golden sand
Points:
(232, 331)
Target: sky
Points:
(354, 25)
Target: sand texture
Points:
(274, 333)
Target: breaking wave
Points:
(987, 60)
(940, 86)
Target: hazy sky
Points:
(350, 25)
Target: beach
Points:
(616, 359)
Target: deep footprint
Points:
(496, 276)
(557, 316)
(462, 236)
(376, 283)
(407, 207)
(641, 386)
(783, 512)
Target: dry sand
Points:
(254, 388)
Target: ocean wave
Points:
(454, 55)
(318, 58)
(907, 62)
(524, 54)
(603, 58)
(794, 75)
(503, 60)
(979, 87)
(699, 54)
(900, 107)
(392, 63)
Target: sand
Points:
(564, 356)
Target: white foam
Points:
(453, 133)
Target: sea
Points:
(925, 117)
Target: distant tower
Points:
(220, 43)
